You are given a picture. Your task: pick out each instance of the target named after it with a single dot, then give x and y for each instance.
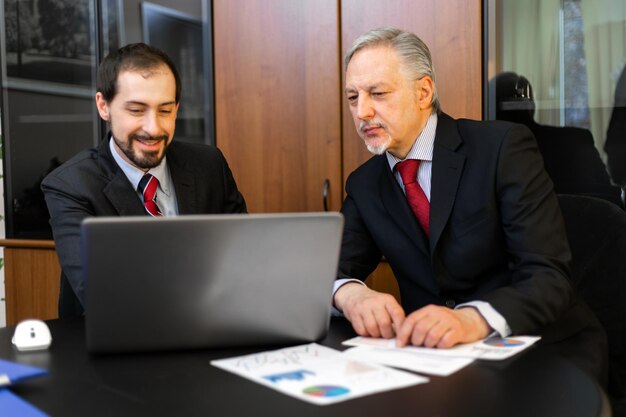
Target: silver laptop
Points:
(208, 280)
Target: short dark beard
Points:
(145, 160)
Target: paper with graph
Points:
(317, 374)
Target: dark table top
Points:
(185, 384)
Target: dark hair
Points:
(514, 97)
(132, 57)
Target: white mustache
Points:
(368, 124)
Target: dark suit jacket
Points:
(496, 231)
(570, 156)
(573, 162)
(92, 184)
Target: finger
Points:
(422, 328)
(405, 331)
(386, 314)
(449, 339)
(385, 323)
(396, 313)
(391, 319)
(435, 334)
(371, 323)
(357, 323)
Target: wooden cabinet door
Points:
(452, 31)
(278, 102)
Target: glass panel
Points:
(555, 66)
(48, 84)
(112, 30)
(179, 35)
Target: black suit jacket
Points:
(496, 231)
(570, 156)
(92, 184)
(573, 162)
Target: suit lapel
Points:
(123, 197)
(395, 203)
(446, 174)
(184, 182)
(118, 190)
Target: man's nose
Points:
(364, 110)
(151, 124)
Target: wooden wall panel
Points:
(32, 272)
(452, 31)
(277, 100)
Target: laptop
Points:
(206, 281)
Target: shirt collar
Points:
(134, 174)
(423, 146)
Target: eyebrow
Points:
(141, 103)
(369, 88)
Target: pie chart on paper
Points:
(326, 391)
(503, 342)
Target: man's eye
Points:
(166, 111)
(135, 111)
(352, 98)
(379, 93)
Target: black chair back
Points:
(596, 230)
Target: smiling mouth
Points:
(150, 141)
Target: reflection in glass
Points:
(180, 37)
(48, 56)
(615, 145)
(571, 52)
(49, 40)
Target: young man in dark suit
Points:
(473, 234)
(138, 94)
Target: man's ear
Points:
(103, 106)
(425, 89)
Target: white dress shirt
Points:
(166, 195)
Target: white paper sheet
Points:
(493, 348)
(317, 374)
(416, 362)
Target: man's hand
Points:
(371, 313)
(441, 327)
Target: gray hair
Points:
(413, 52)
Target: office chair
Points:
(596, 230)
(569, 153)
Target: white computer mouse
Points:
(32, 335)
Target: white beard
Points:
(379, 148)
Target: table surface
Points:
(185, 384)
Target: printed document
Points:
(491, 348)
(416, 362)
(317, 374)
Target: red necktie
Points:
(148, 188)
(414, 193)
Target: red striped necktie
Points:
(148, 188)
(414, 193)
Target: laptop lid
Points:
(208, 280)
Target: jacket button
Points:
(450, 303)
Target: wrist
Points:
(343, 292)
(478, 324)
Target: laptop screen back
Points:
(208, 280)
